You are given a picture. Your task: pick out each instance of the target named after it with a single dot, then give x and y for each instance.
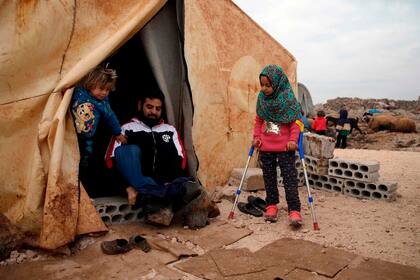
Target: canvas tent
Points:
(204, 55)
(305, 99)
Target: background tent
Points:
(305, 99)
(204, 55)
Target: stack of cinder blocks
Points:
(318, 151)
(351, 177)
(361, 179)
(354, 178)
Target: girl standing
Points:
(276, 135)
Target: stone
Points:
(228, 193)
(11, 237)
(307, 255)
(236, 261)
(253, 180)
(378, 269)
(162, 217)
(196, 213)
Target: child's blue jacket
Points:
(87, 113)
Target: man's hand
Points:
(121, 138)
(292, 146)
(256, 143)
(132, 195)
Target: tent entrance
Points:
(151, 60)
(134, 78)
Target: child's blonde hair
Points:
(100, 76)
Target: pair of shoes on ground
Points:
(255, 206)
(120, 246)
(295, 218)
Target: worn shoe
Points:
(138, 241)
(117, 246)
(271, 213)
(191, 190)
(257, 202)
(295, 219)
(249, 208)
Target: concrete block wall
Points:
(116, 210)
(316, 165)
(366, 171)
(350, 177)
(368, 190)
(318, 146)
(325, 182)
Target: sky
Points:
(357, 48)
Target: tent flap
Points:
(39, 172)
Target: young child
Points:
(320, 123)
(343, 129)
(276, 134)
(89, 105)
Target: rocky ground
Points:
(388, 231)
(372, 228)
(382, 140)
(377, 229)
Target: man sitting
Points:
(153, 165)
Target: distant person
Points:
(305, 121)
(319, 126)
(276, 135)
(342, 129)
(90, 106)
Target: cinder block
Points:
(253, 180)
(298, 163)
(325, 182)
(366, 171)
(316, 165)
(318, 146)
(116, 210)
(301, 178)
(378, 190)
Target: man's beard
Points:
(150, 122)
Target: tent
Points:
(305, 99)
(204, 55)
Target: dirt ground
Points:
(378, 229)
(372, 228)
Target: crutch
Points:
(302, 158)
(238, 191)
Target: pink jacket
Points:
(272, 142)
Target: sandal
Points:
(138, 241)
(257, 202)
(117, 246)
(248, 208)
